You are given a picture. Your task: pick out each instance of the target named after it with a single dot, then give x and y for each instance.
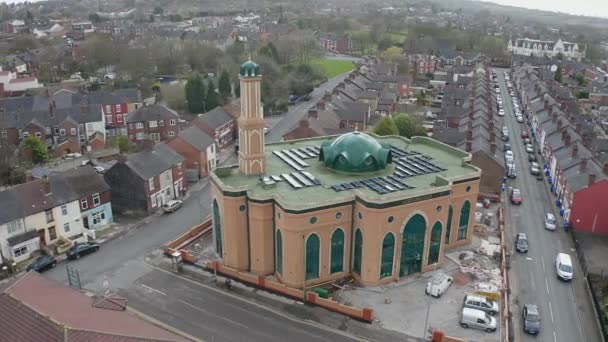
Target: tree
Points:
(195, 94)
(407, 126)
(558, 74)
(580, 78)
(392, 54)
(94, 17)
(174, 96)
(124, 145)
(212, 98)
(224, 85)
(421, 99)
(270, 50)
(386, 126)
(39, 151)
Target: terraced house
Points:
(317, 210)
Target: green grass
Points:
(333, 67)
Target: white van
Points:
(563, 266)
(472, 318)
(438, 284)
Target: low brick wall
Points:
(364, 314)
(183, 240)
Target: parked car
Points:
(516, 197)
(529, 148)
(438, 284)
(527, 141)
(172, 206)
(501, 112)
(506, 147)
(480, 303)
(563, 266)
(532, 157)
(42, 263)
(531, 318)
(477, 319)
(81, 249)
(524, 134)
(521, 242)
(511, 172)
(520, 119)
(550, 221)
(534, 169)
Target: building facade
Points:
(153, 123)
(374, 208)
(540, 48)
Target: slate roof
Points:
(352, 111)
(450, 136)
(215, 118)
(578, 179)
(11, 208)
(167, 154)
(196, 138)
(130, 95)
(152, 112)
(83, 181)
(147, 164)
(35, 308)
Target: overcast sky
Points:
(596, 8)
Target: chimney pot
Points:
(591, 179)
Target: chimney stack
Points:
(554, 118)
(469, 146)
(46, 185)
(574, 150)
(546, 104)
(492, 136)
(579, 127)
(312, 113)
(567, 141)
(469, 135)
(606, 168)
(583, 164)
(591, 179)
(550, 110)
(493, 148)
(559, 124)
(1, 89)
(321, 105)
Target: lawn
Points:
(333, 67)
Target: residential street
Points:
(566, 311)
(188, 306)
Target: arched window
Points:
(463, 225)
(312, 257)
(279, 251)
(337, 251)
(449, 225)
(358, 252)
(388, 253)
(412, 246)
(217, 228)
(435, 243)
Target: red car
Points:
(516, 197)
(524, 134)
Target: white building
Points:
(10, 81)
(539, 48)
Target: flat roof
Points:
(452, 160)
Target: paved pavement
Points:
(566, 311)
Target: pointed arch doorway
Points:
(412, 246)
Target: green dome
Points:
(250, 69)
(355, 152)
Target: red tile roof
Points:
(74, 310)
(20, 323)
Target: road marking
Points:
(547, 283)
(551, 311)
(151, 289)
(554, 337)
(528, 258)
(211, 313)
(543, 262)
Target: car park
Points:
(438, 284)
(531, 318)
(172, 206)
(42, 263)
(516, 197)
(529, 148)
(81, 249)
(550, 221)
(472, 318)
(521, 242)
(563, 266)
(482, 303)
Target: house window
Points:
(38, 135)
(72, 131)
(26, 134)
(161, 123)
(108, 109)
(62, 132)
(139, 125)
(151, 184)
(14, 226)
(64, 210)
(84, 204)
(20, 134)
(66, 227)
(89, 126)
(172, 122)
(117, 107)
(119, 118)
(131, 126)
(152, 124)
(140, 136)
(47, 130)
(4, 135)
(52, 233)
(96, 200)
(98, 217)
(171, 133)
(153, 201)
(20, 251)
(155, 136)
(108, 118)
(49, 216)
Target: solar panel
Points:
(311, 177)
(301, 179)
(393, 183)
(337, 187)
(287, 160)
(312, 150)
(291, 181)
(303, 153)
(276, 178)
(298, 153)
(295, 158)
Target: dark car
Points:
(516, 197)
(80, 249)
(42, 263)
(531, 318)
(507, 147)
(524, 134)
(532, 157)
(521, 242)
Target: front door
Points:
(41, 235)
(85, 222)
(412, 246)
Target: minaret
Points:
(251, 121)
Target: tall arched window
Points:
(388, 253)
(412, 246)
(337, 251)
(217, 228)
(279, 251)
(449, 225)
(312, 257)
(463, 225)
(435, 243)
(358, 252)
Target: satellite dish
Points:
(553, 68)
